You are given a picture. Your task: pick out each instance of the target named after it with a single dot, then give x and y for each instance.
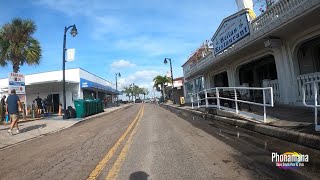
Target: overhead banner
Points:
(70, 54)
(230, 32)
(17, 82)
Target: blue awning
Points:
(89, 84)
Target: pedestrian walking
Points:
(2, 108)
(43, 103)
(12, 108)
(39, 104)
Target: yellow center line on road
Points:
(97, 170)
(113, 173)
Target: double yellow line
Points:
(119, 161)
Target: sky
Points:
(128, 36)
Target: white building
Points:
(280, 48)
(80, 84)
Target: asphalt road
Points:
(146, 141)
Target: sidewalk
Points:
(290, 124)
(36, 128)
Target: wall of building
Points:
(54, 88)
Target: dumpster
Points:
(101, 106)
(95, 106)
(80, 108)
(98, 106)
(89, 109)
(86, 109)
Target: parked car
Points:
(146, 101)
(138, 101)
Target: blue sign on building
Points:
(229, 32)
(89, 84)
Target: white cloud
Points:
(138, 78)
(122, 64)
(153, 46)
(143, 79)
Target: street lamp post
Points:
(73, 33)
(132, 92)
(117, 74)
(165, 62)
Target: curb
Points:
(308, 140)
(68, 126)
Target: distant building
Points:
(80, 84)
(178, 89)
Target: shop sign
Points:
(17, 82)
(230, 32)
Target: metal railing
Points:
(315, 85)
(237, 91)
(274, 12)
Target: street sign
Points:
(17, 81)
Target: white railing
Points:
(315, 86)
(304, 80)
(274, 12)
(213, 94)
(276, 90)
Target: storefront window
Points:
(199, 84)
(189, 88)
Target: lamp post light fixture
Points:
(165, 62)
(73, 33)
(117, 74)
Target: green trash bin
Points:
(98, 106)
(101, 106)
(86, 108)
(95, 106)
(80, 108)
(89, 107)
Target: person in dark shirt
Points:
(39, 104)
(12, 108)
(2, 108)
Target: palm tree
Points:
(127, 91)
(136, 91)
(17, 44)
(161, 80)
(145, 92)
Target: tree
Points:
(136, 90)
(161, 80)
(145, 92)
(127, 91)
(17, 44)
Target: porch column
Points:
(206, 82)
(231, 71)
(286, 80)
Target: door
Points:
(55, 100)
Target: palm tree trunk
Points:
(16, 67)
(163, 93)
